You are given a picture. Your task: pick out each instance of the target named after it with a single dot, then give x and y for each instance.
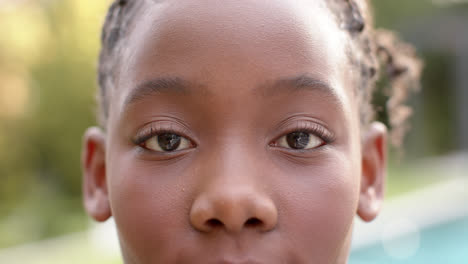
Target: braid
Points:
(379, 55)
(119, 17)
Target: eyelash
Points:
(154, 131)
(312, 128)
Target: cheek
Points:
(148, 205)
(319, 208)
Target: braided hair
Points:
(116, 26)
(378, 55)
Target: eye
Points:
(300, 140)
(167, 142)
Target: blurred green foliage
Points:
(48, 58)
(48, 54)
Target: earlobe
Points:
(374, 166)
(93, 163)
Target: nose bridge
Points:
(232, 198)
(233, 164)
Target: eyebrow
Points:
(159, 85)
(180, 86)
(299, 83)
(293, 84)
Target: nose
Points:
(233, 208)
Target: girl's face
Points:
(234, 137)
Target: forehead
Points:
(218, 43)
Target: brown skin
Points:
(234, 192)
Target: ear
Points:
(374, 167)
(93, 163)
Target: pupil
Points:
(168, 141)
(298, 140)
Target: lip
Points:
(236, 261)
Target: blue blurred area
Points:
(445, 243)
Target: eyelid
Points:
(160, 127)
(308, 126)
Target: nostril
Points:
(253, 222)
(213, 223)
(232, 212)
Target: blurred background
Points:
(48, 59)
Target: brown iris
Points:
(169, 141)
(298, 140)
